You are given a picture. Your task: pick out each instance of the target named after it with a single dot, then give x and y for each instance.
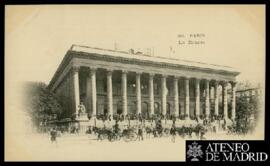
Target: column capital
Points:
(124, 71)
(233, 83)
(224, 83)
(92, 70)
(138, 72)
(151, 74)
(216, 82)
(175, 78)
(109, 71)
(198, 78)
(207, 81)
(186, 80)
(164, 75)
(75, 68)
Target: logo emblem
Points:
(194, 151)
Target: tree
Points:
(246, 110)
(40, 102)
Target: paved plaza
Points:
(85, 148)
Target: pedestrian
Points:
(89, 130)
(214, 129)
(173, 133)
(140, 133)
(202, 134)
(53, 134)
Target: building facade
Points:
(110, 82)
(249, 92)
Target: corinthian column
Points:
(187, 97)
(164, 94)
(176, 97)
(124, 92)
(233, 100)
(225, 100)
(216, 98)
(207, 102)
(109, 92)
(94, 92)
(75, 72)
(197, 97)
(88, 102)
(151, 93)
(138, 93)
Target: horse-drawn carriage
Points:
(157, 131)
(129, 134)
(114, 134)
(105, 133)
(187, 131)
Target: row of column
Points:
(151, 94)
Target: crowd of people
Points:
(141, 130)
(143, 127)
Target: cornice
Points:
(75, 54)
(148, 63)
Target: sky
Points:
(38, 36)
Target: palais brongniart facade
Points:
(112, 83)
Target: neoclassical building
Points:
(110, 82)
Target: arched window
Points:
(168, 109)
(119, 107)
(157, 108)
(180, 110)
(132, 108)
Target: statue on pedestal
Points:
(82, 112)
(81, 108)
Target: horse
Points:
(149, 131)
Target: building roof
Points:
(248, 89)
(88, 51)
(175, 61)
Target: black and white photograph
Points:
(131, 82)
